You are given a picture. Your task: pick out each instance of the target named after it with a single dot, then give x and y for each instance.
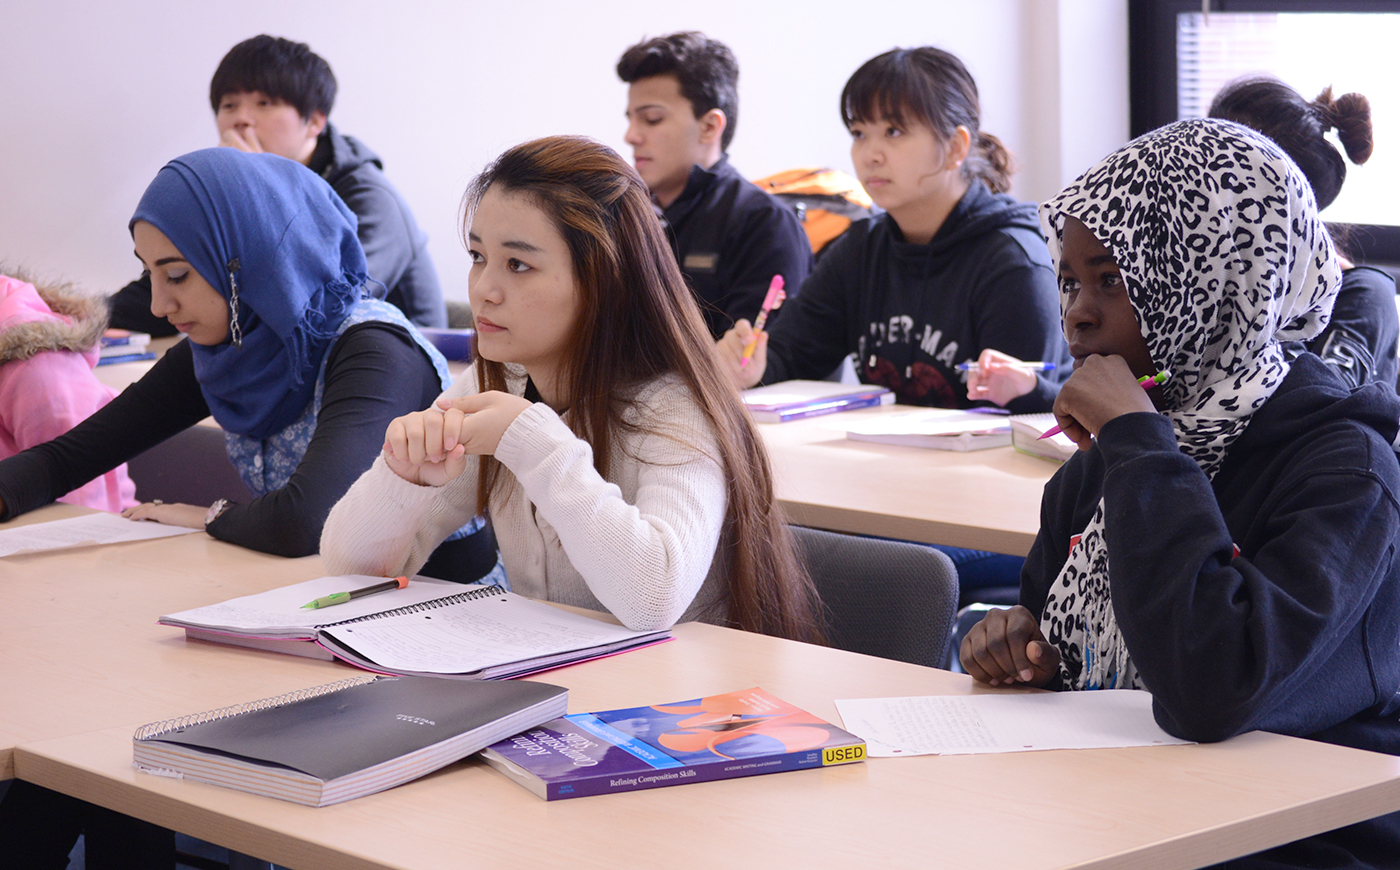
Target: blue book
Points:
(741, 733)
(126, 357)
(796, 400)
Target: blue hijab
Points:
(282, 235)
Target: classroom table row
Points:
(87, 664)
(983, 499)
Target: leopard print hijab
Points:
(1217, 237)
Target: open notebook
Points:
(429, 628)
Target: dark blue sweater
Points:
(1300, 633)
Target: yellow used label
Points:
(843, 754)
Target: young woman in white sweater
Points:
(614, 458)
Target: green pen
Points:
(342, 597)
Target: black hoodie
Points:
(395, 249)
(1297, 634)
(911, 313)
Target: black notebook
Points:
(332, 743)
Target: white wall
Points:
(96, 96)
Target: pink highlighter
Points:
(775, 298)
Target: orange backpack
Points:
(826, 201)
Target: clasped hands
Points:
(430, 447)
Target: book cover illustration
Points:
(741, 733)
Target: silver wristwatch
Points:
(215, 509)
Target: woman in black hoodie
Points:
(953, 266)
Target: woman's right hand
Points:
(1008, 648)
(730, 349)
(415, 447)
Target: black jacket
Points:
(1300, 633)
(911, 313)
(396, 250)
(730, 238)
(1359, 341)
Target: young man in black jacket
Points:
(729, 236)
(271, 94)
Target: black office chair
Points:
(191, 467)
(883, 598)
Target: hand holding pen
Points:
(1102, 389)
(998, 377)
(775, 298)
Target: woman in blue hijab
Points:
(255, 258)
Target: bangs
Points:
(892, 88)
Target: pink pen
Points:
(775, 297)
(1147, 382)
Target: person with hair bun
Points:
(1360, 340)
(618, 467)
(952, 268)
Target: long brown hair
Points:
(638, 321)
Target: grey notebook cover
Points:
(339, 733)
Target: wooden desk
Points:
(82, 651)
(87, 665)
(983, 499)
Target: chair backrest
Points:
(883, 598)
(191, 467)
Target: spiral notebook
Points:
(429, 628)
(332, 743)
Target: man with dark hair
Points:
(271, 94)
(729, 236)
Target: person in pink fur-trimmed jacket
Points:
(48, 347)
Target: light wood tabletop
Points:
(82, 649)
(87, 665)
(982, 499)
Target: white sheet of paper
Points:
(100, 528)
(282, 608)
(967, 724)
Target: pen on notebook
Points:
(1147, 382)
(342, 597)
(775, 297)
(1031, 366)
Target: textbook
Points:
(939, 428)
(719, 737)
(429, 628)
(795, 400)
(1026, 430)
(123, 345)
(332, 743)
(119, 341)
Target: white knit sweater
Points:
(641, 544)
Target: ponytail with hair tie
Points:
(997, 164)
(1350, 114)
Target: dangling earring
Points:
(234, 329)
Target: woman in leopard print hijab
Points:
(1218, 242)
(1226, 541)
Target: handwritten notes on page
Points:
(984, 723)
(100, 528)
